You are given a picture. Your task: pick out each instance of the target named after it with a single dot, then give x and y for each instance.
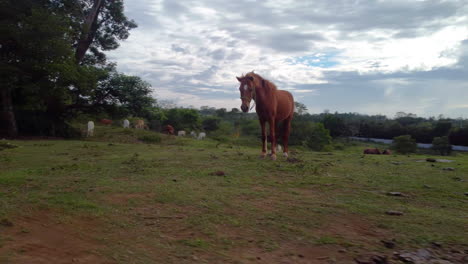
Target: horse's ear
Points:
(239, 79)
(250, 78)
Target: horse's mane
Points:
(261, 82)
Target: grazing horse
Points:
(90, 130)
(272, 106)
(126, 123)
(387, 152)
(105, 122)
(140, 124)
(168, 129)
(201, 136)
(372, 151)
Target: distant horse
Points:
(90, 130)
(372, 151)
(140, 124)
(387, 152)
(272, 106)
(106, 122)
(168, 129)
(126, 123)
(202, 135)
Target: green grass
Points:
(163, 197)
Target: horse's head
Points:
(247, 91)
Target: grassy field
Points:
(116, 199)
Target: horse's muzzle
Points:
(245, 108)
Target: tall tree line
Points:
(52, 62)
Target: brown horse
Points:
(272, 106)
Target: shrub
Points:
(404, 144)
(7, 145)
(442, 145)
(150, 138)
(319, 139)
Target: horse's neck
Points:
(264, 98)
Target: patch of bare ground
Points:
(42, 237)
(124, 198)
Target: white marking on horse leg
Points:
(285, 154)
(273, 157)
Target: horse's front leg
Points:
(273, 138)
(264, 139)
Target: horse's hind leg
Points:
(273, 138)
(286, 131)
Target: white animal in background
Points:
(126, 123)
(202, 135)
(193, 134)
(90, 130)
(181, 133)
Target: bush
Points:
(404, 144)
(6, 145)
(442, 145)
(319, 138)
(150, 138)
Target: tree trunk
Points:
(7, 116)
(90, 27)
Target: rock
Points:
(395, 194)
(397, 163)
(448, 169)
(218, 173)
(372, 259)
(436, 244)
(427, 186)
(6, 222)
(388, 243)
(421, 256)
(431, 160)
(391, 212)
(466, 194)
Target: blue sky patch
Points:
(321, 60)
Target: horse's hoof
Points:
(262, 156)
(273, 157)
(285, 154)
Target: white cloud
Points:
(375, 53)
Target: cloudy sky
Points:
(366, 56)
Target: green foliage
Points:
(404, 144)
(6, 145)
(319, 138)
(211, 123)
(442, 145)
(154, 138)
(183, 118)
(335, 125)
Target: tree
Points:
(41, 43)
(300, 108)
(404, 144)
(101, 24)
(442, 145)
(319, 138)
(335, 125)
(36, 60)
(211, 123)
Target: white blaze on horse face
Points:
(246, 87)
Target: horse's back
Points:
(285, 108)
